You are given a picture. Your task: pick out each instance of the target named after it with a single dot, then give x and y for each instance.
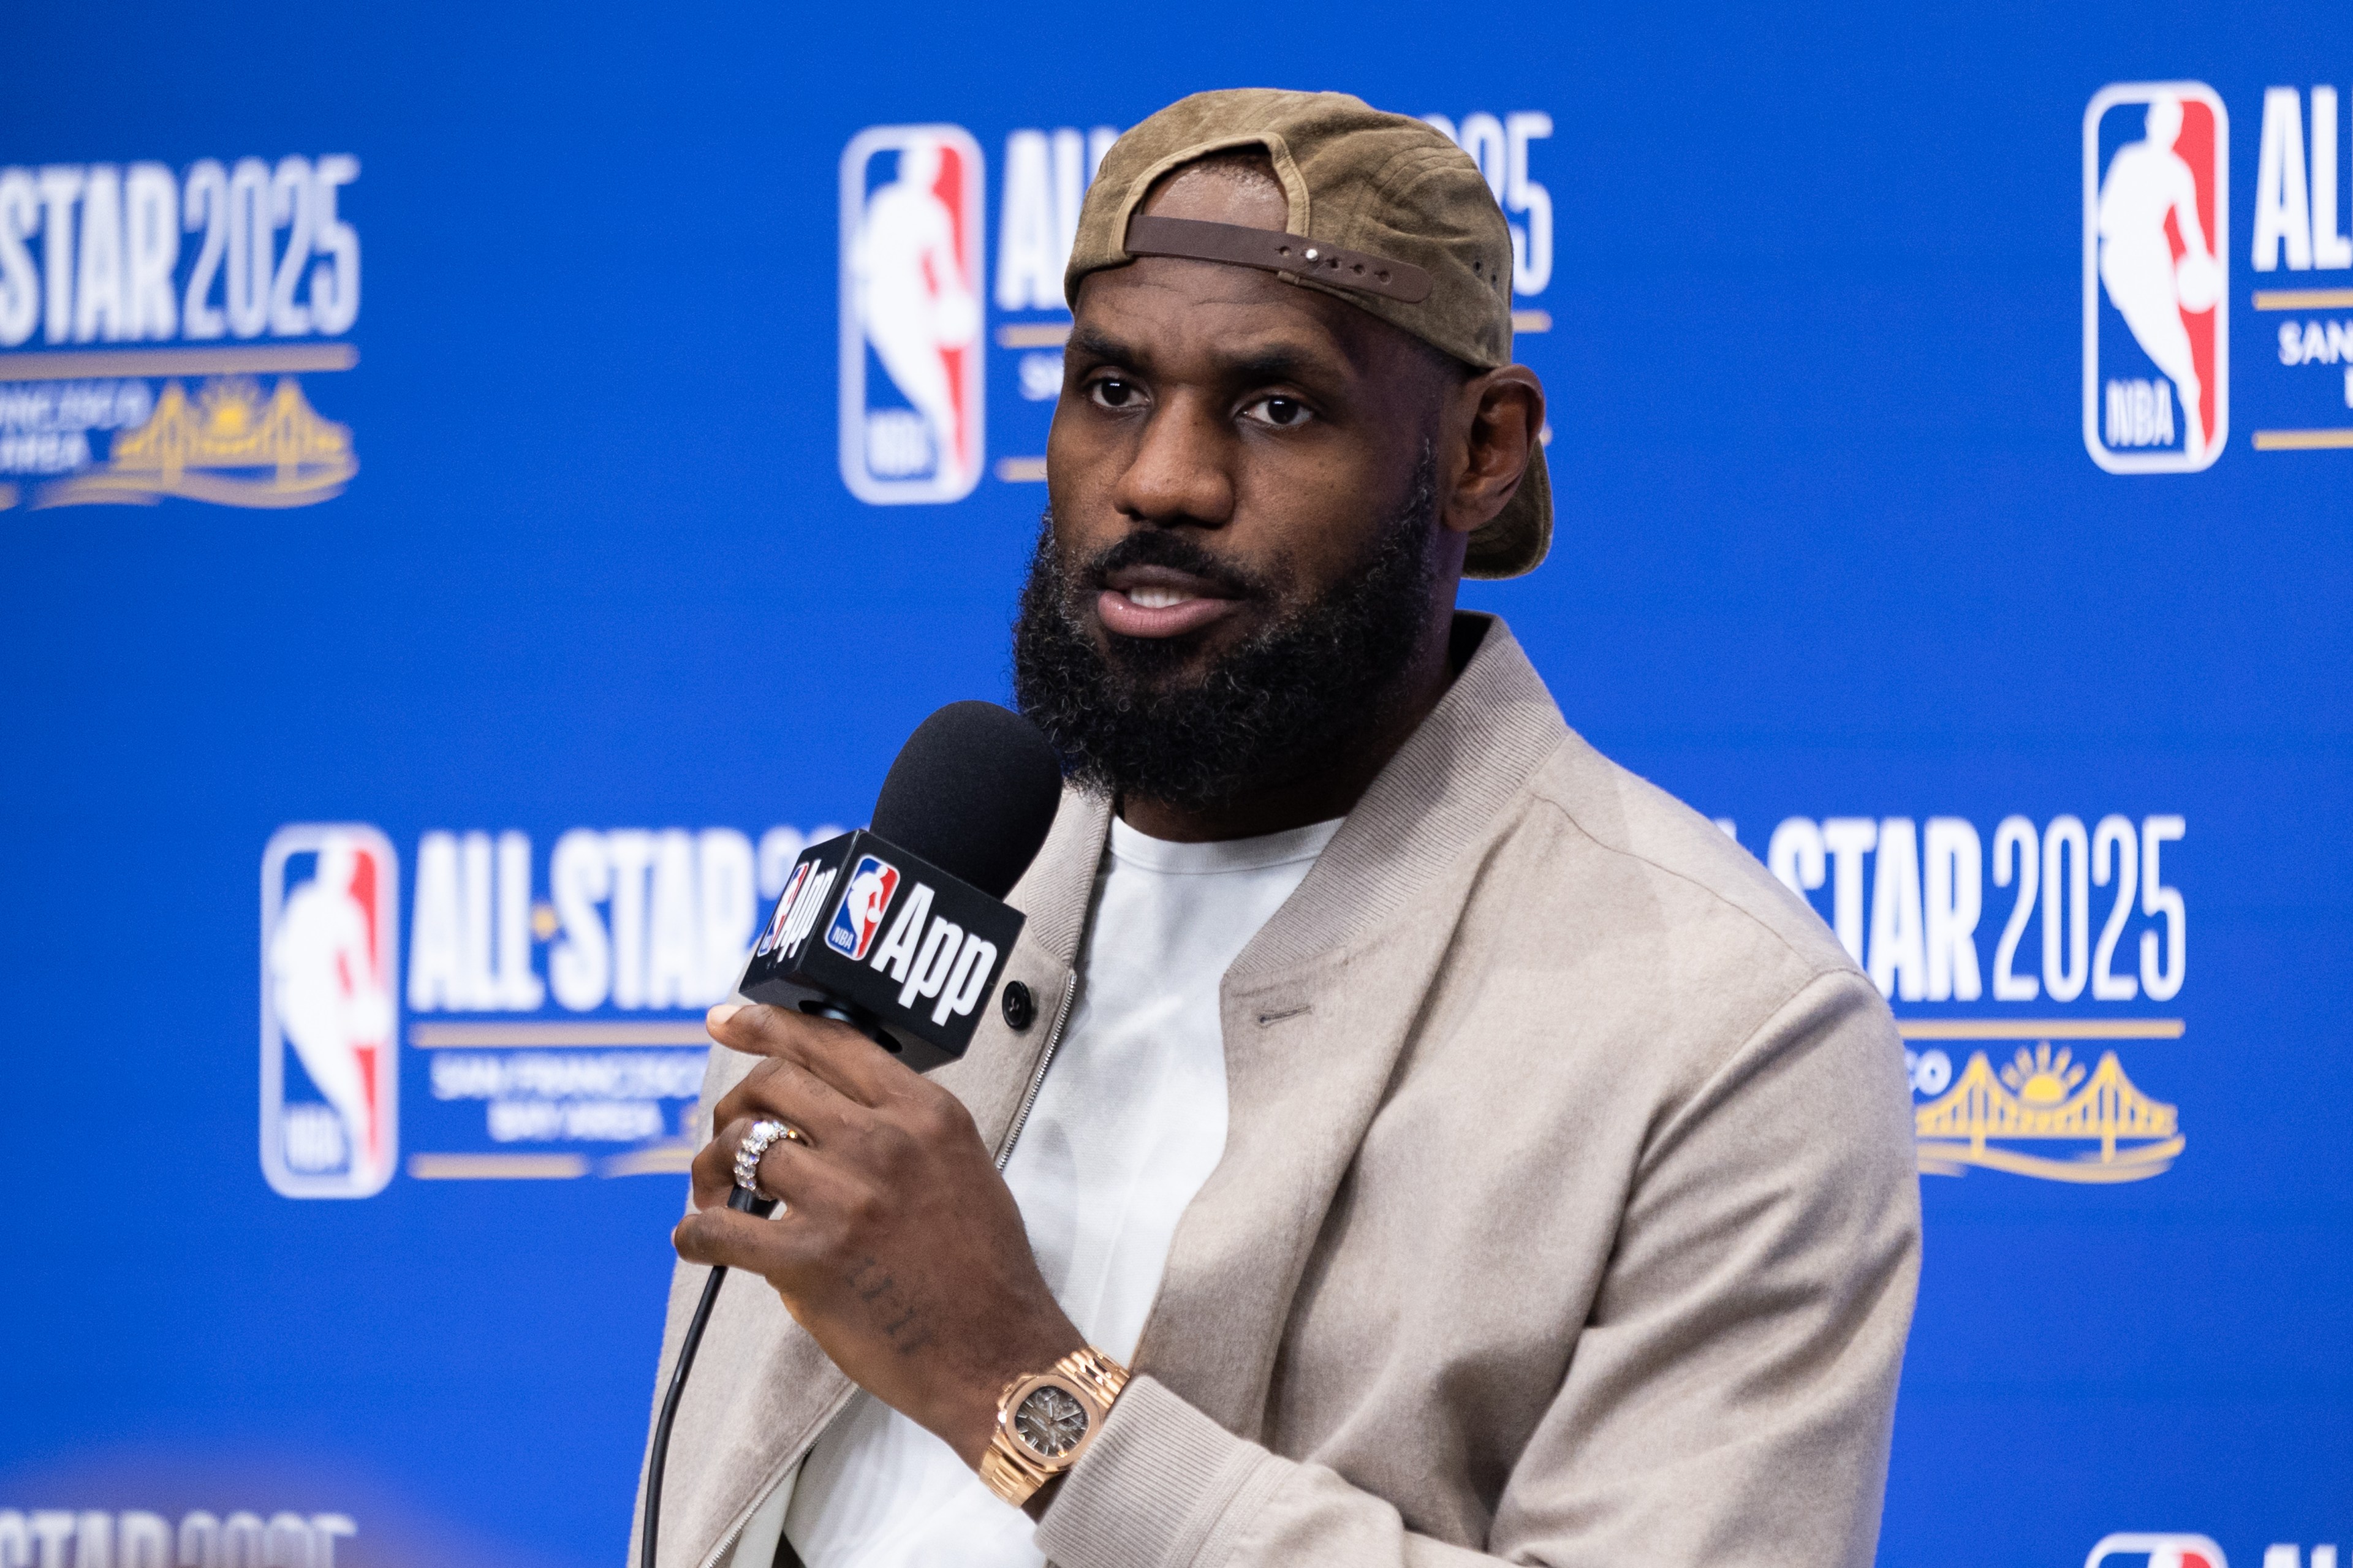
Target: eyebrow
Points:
(1277, 361)
(1097, 345)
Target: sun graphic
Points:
(229, 403)
(2040, 1077)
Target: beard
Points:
(1132, 718)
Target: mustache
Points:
(1131, 716)
(1159, 547)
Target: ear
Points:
(1501, 414)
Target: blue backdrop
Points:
(432, 448)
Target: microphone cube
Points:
(916, 950)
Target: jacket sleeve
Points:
(1729, 1400)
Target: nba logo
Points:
(2156, 320)
(330, 1057)
(911, 315)
(860, 914)
(2153, 1550)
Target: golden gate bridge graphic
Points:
(230, 444)
(2045, 1096)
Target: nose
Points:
(1181, 471)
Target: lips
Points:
(1160, 602)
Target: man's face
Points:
(1241, 488)
(1272, 426)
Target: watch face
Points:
(1050, 1422)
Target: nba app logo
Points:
(860, 914)
(911, 313)
(2156, 1550)
(2156, 277)
(330, 1062)
(774, 937)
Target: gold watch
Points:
(1046, 1421)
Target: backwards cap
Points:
(1386, 214)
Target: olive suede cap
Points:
(1365, 188)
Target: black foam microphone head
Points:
(973, 792)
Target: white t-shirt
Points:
(1130, 1121)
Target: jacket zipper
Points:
(1037, 1078)
(734, 1535)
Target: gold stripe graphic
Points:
(2041, 1028)
(258, 359)
(2302, 441)
(1531, 321)
(1021, 470)
(497, 1167)
(2304, 299)
(654, 1160)
(653, 1032)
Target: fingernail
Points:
(720, 1014)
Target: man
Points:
(1421, 1139)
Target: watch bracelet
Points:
(1007, 1474)
(1011, 1471)
(1102, 1375)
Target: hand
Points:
(899, 1247)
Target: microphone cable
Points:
(658, 1459)
(742, 1200)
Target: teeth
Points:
(1158, 598)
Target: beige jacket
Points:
(1568, 1212)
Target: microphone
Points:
(916, 930)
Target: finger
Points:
(828, 1048)
(801, 1236)
(783, 1172)
(713, 1168)
(781, 1033)
(714, 1165)
(782, 1091)
(725, 1237)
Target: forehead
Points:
(1175, 311)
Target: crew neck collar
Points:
(1139, 849)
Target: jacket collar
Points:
(1059, 886)
(1486, 735)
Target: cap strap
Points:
(1274, 251)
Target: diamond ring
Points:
(755, 1144)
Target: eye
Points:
(1282, 412)
(1112, 392)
